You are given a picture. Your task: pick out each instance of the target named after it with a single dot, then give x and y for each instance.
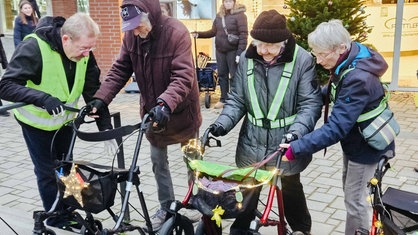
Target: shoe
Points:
(219, 105)
(5, 114)
(158, 219)
(416, 169)
(193, 215)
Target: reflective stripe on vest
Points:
(259, 118)
(364, 116)
(53, 82)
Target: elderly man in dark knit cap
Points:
(276, 91)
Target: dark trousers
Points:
(227, 67)
(295, 208)
(44, 161)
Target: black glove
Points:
(96, 103)
(54, 106)
(289, 137)
(160, 115)
(217, 129)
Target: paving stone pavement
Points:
(322, 178)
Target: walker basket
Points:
(226, 188)
(402, 209)
(206, 79)
(87, 186)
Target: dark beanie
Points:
(270, 26)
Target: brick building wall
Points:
(64, 8)
(106, 14)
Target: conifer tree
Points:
(305, 15)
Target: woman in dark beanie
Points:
(25, 22)
(232, 16)
(279, 96)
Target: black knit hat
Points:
(270, 26)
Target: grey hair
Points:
(329, 35)
(80, 24)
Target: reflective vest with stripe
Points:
(53, 82)
(364, 116)
(258, 118)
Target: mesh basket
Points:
(99, 191)
(227, 187)
(205, 77)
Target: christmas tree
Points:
(305, 15)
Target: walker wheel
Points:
(47, 231)
(98, 226)
(207, 100)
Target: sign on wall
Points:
(382, 18)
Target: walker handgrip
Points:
(11, 106)
(21, 104)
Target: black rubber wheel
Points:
(207, 100)
(177, 225)
(98, 227)
(45, 231)
(49, 232)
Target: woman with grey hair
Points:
(355, 89)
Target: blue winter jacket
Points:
(20, 29)
(358, 91)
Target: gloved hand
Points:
(289, 154)
(237, 59)
(111, 147)
(54, 106)
(195, 34)
(217, 129)
(160, 115)
(95, 105)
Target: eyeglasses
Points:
(322, 55)
(84, 50)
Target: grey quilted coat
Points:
(302, 97)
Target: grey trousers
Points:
(162, 176)
(355, 178)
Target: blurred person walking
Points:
(25, 22)
(230, 30)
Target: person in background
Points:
(35, 7)
(227, 53)
(166, 9)
(357, 91)
(3, 63)
(158, 50)
(51, 67)
(271, 110)
(25, 22)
